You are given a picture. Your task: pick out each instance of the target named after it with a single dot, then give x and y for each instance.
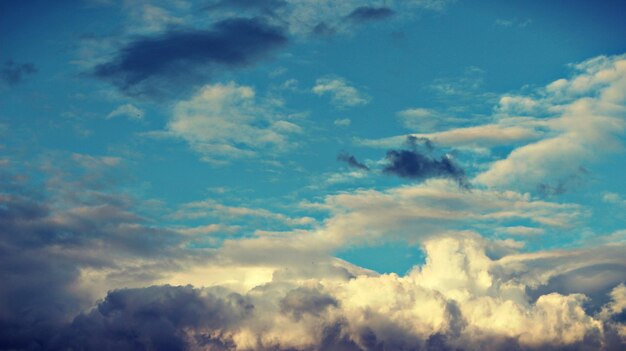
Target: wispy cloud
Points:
(224, 121)
(341, 92)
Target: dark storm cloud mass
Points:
(367, 13)
(351, 161)
(420, 165)
(13, 73)
(177, 59)
(42, 252)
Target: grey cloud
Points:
(420, 165)
(306, 301)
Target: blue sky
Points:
(295, 152)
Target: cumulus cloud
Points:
(177, 59)
(224, 121)
(460, 298)
(284, 291)
(12, 73)
(342, 94)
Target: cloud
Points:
(414, 164)
(475, 137)
(368, 13)
(341, 92)
(460, 298)
(179, 58)
(207, 208)
(129, 111)
(283, 291)
(585, 121)
(13, 73)
(344, 122)
(351, 161)
(223, 122)
(426, 120)
(507, 23)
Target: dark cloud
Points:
(175, 60)
(351, 161)
(367, 13)
(421, 165)
(43, 250)
(302, 301)
(12, 73)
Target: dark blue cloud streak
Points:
(163, 64)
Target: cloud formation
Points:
(179, 58)
(460, 299)
(587, 121)
(224, 121)
(415, 164)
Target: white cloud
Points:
(342, 122)
(415, 213)
(426, 120)
(129, 111)
(461, 296)
(224, 121)
(589, 109)
(486, 135)
(514, 22)
(208, 208)
(341, 92)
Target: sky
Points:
(312, 175)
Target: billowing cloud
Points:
(224, 121)
(342, 94)
(462, 298)
(177, 59)
(12, 73)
